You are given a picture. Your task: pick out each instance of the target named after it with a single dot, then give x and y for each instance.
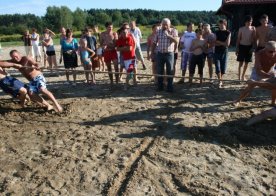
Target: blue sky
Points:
(38, 7)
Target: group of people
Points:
(123, 49)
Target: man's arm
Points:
(140, 35)
(254, 38)
(6, 64)
(51, 32)
(33, 63)
(173, 38)
(228, 40)
(238, 41)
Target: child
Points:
(86, 61)
(197, 48)
(99, 57)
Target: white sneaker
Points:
(74, 84)
(67, 82)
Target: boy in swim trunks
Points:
(245, 42)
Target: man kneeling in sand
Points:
(264, 69)
(269, 84)
(30, 70)
(11, 85)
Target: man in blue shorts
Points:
(11, 85)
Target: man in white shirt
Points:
(185, 43)
(136, 32)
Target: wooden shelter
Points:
(235, 10)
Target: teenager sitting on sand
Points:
(30, 71)
(264, 69)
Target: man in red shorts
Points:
(108, 43)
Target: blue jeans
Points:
(220, 60)
(162, 59)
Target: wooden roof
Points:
(235, 2)
(226, 4)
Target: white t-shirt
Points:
(35, 42)
(137, 35)
(186, 39)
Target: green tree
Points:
(117, 18)
(66, 17)
(102, 18)
(53, 18)
(79, 19)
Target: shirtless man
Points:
(108, 43)
(11, 85)
(245, 41)
(263, 70)
(262, 32)
(30, 71)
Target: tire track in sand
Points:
(118, 184)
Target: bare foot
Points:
(236, 103)
(50, 107)
(59, 109)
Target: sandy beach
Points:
(138, 142)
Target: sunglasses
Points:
(272, 51)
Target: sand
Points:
(138, 142)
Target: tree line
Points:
(57, 17)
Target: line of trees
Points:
(56, 17)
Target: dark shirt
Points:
(27, 40)
(221, 35)
(91, 42)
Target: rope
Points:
(138, 74)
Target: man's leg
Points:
(184, 63)
(210, 67)
(169, 71)
(244, 94)
(39, 100)
(244, 71)
(46, 92)
(160, 70)
(109, 69)
(116, 68)
(22, 96)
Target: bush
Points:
(10, 38)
